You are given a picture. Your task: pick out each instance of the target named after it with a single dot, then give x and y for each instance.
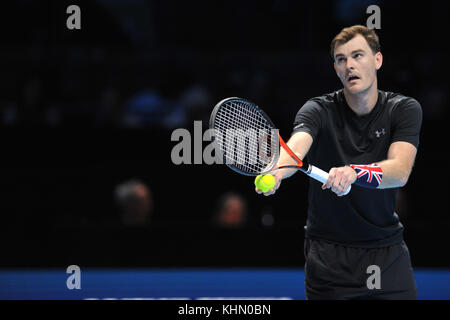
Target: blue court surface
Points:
(433, 284)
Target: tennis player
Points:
(366, 138)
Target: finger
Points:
(258, 191)
(331, 178)
(344, 185)
(346, 182)
(272, 191)
(340, 191)
(337, 184)
(344, 188)
(275, 187)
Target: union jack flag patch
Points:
(368, 176)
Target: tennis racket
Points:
(248, 142)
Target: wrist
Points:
(279, 175)
(368, 176)
(355, 174)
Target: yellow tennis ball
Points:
(265, 182)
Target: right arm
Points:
(299, 143)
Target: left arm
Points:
(396, 170)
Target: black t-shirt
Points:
(365, 217)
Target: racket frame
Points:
(302, 165)
(212, 118)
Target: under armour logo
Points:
(301, 125)
(379, 133)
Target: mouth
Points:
(351, 78)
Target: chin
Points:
(354, 89)
(357, 89)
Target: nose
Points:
(350, 64)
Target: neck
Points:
(362, 103)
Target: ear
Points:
(378, 60)
(335, 70)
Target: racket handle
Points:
(321, 176)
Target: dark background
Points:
(69, 134)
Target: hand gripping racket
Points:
(248, 142)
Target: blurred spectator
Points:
(198, 103)
(9, 114)
(267, 217)
(349, 11)
(52, 116)
(195, 104)
(135, 201)
(145, 109)
(231, 212)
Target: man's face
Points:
(356, 65)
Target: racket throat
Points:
(290, 152)
(307, 168)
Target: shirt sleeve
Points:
(407, 121)
(308, 119)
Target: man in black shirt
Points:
(366, 138)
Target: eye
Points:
(357, 55)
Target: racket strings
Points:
(245, 137)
